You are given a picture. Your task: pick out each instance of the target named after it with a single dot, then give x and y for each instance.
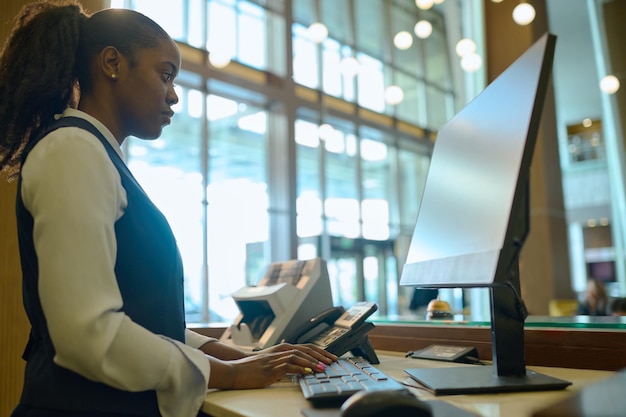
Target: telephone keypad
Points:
(329, 336)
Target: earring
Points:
(114, 76)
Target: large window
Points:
(169, 169)
(245, 178)
(229, 216)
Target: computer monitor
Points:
(474, 218)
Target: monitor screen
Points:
(473, 220)
(480, 160)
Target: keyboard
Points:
(343, 378)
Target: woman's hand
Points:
(309, 349)
(268, 366)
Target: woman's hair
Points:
(597, 288)
(46, 63)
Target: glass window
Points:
(412, 109)
(348, 73)
(370, 26)
(309, 190)
(438, 107)
(237, 195)
(371, 83)
(331, 61)
(169, 170)
(179, 18)
(342, 197)
(411, 60)
(167, 13)
(413, 163)
(195, 25)
(437, 57)
(304, 12)
(585, 142)
(336, 17)
(222, 29)
(357, 190)
(377, 183)
(305, 61)
(252, 36)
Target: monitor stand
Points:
(476, 379)
(508, 372)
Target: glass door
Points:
(364, 270)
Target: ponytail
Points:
(37, 76)
(46, 61)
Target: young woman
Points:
(102, 276)
(595, 301)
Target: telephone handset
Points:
(315, 325)
(339, 331)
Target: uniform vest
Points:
(149, 274)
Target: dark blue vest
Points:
(150, 277)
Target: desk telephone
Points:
(340, 331)
(293, 303)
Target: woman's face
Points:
(146, 93)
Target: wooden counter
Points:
(578, 348)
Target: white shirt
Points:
(75, 195)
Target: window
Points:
(378, 170)
(585, 143)
(169, 169)
(305, 62)
(237, 198)
(371, 83)
(220, 172)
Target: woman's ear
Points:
(110, 59)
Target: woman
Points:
(102, 276)
(595, 301)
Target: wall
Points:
(544, 271)
(13, 322)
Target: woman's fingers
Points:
(266, 367)
(309, 349)
(297, 361)
(321, 354)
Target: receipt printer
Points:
(287, 296)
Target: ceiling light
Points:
(523, 14)
(609, 84)
(403, 40)
(424, 4)
(220, 59)
(465, 47)
(423, 29)
(471, 62)
(394, 95)
(317, 32)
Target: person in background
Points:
(102, 275)
(595, 301)
(618, 306)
